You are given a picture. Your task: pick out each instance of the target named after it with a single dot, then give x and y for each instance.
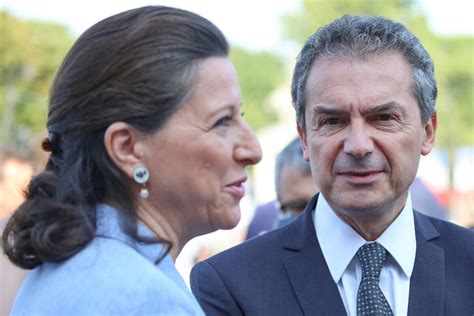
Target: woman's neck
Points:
(159, 226)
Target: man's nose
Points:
(358, 142)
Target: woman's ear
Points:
(123, 143)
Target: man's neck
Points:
(370, 224)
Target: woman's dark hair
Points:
(135, 67)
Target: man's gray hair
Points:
(358, 37)
(290, 156)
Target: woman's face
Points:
(197, 161)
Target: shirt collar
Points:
(339, 242)
(399, 239)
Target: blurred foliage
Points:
(452, 57)
(454, 65)
(259, 75)
(313, 14)
(31, 52)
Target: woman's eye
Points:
(224, 121)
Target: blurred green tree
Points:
(313, 14)
(260, 73)
(452, 57)
(30, 53)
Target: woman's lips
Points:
(237, 188)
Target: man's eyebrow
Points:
(384, 107)
(327, 111)
(389, 106)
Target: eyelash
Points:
(331, 122)
(224, 121)
(328, 121)
(385, 117)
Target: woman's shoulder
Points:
(108, 275)
(108, 264)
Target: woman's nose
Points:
(248, 150)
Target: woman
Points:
(148, 150)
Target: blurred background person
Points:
(425, 201)
(294, 187)
(294, 184)
(15, 173)
(16, 170)
(148, 149)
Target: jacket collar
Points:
(317, 292)
(306, 268)
(428, 281)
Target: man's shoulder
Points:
(264, 244)
(447, 234)
(443, 226)
(279, 242)
(243, 270)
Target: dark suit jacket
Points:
(283, 272)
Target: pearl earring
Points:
(141, 176)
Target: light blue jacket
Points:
(113, 275)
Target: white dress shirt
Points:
(339, 243)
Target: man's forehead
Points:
(325, 60)
(333, 77)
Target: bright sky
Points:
(254, 24)
(251, 23)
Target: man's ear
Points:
(302, 134)
(123, 144)
(429, 135)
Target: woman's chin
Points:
(230, 219)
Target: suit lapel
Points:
(427, 283)
(307, 270)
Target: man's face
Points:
(296, 189)
(364, 134)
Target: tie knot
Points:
(372, 256)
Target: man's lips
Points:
(237, 188)
(360, 177)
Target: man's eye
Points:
(331, 121)
(385, 117)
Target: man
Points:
(364, 93)
(294, 187)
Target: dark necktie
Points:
(370, 299)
